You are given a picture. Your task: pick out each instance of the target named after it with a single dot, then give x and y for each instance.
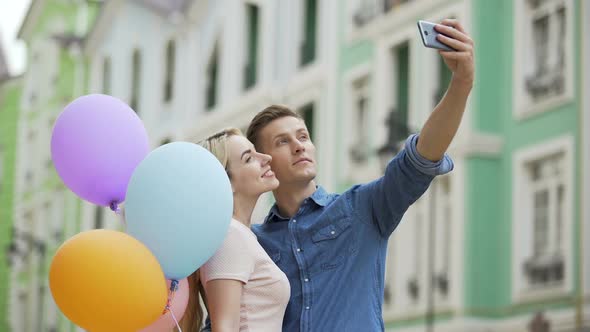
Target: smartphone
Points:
(428, 34)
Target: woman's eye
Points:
(248, 159)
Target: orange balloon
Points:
(105, 280)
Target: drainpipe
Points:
(580, 295)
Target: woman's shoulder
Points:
(238, 237)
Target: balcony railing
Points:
(544, 269)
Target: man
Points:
(332, 247)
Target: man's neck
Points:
(290, 196)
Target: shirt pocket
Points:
(334, 243)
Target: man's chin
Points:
(307, 177)
(302, 177)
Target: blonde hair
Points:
(193, 315)
(217, 144)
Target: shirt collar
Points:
(319, 197)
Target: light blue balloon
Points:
(179, 204)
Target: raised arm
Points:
(384, 201)
(441, 126)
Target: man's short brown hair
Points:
(266, 116)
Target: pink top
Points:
(266, 288)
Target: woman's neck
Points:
(243, 208)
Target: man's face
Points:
(293, 154)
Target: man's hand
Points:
(442, 125)
(461, 61)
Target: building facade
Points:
(495, 244)
(10, 90)
(44, 212)
(499, 244)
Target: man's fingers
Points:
(453, 23)
(450, 55)
(453, 33)
(455, 44)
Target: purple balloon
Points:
(97, 143)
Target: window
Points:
(170, 68)
(542, 207)
(310, 23)
(546, 191)
(41, 296)
(389, 280)
(413, 283)
(421, 253)
(359, 151)
(547, 76)
(211, 82)
(307, 115)
(397, 119)
(543, 48)
(442, 229)
(135, 80)
(401, 56)
(30, 174)
(106, 76)
(251, 67)
(99, 217)
(25, 309)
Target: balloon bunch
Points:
(178, 205)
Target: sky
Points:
(12, 13)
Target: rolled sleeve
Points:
(428, 167)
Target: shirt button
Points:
(332, 232)
(298, 249)
(306, 308)
(294, 220)
(306, 280)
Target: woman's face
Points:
(250, 172)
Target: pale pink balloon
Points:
(178, 305)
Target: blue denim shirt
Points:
(333, 249)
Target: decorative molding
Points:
(393, 20)
(477, 144)
(32, 16)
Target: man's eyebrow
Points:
(279, 135)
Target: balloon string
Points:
(172, 292)
(175, 321)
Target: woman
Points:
(244, 289)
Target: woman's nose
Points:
(265, 159)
